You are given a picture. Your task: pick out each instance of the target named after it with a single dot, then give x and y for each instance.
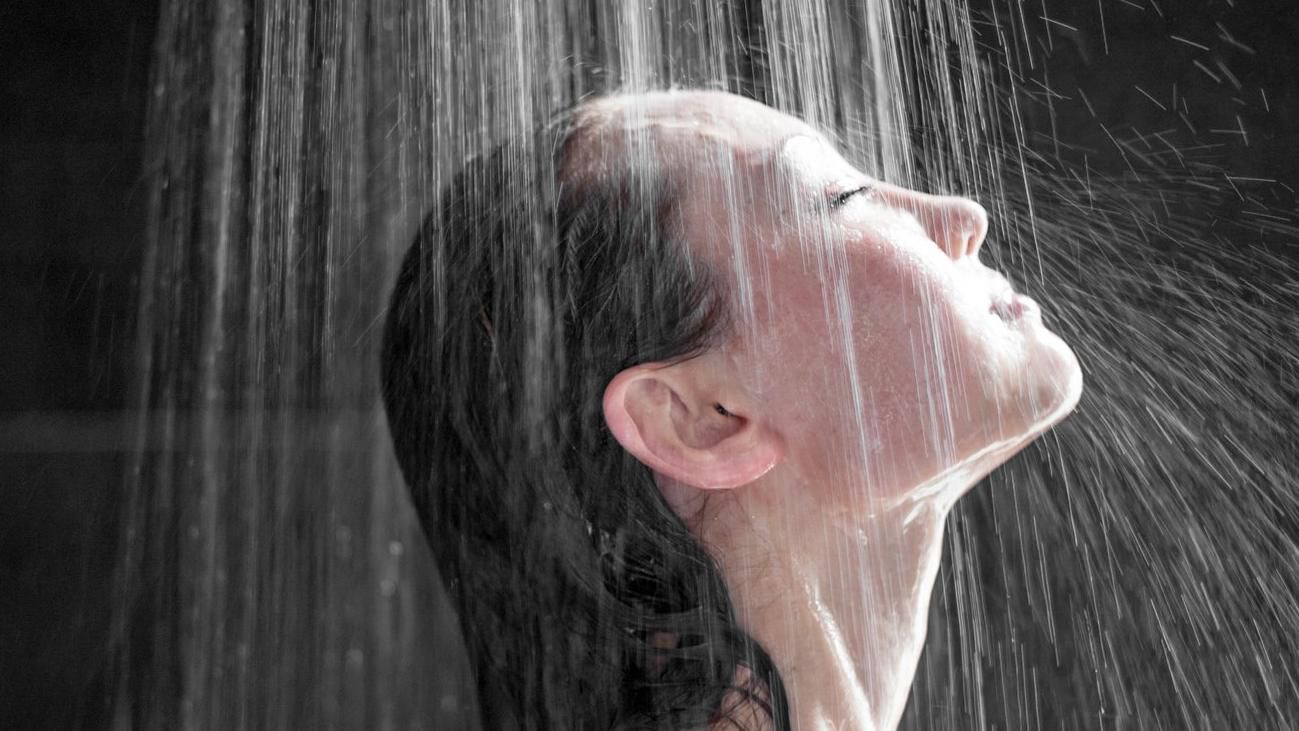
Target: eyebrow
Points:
(825, 200)
(811, 133)
(828, 136)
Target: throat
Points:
(842, 611)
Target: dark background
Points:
(73, 92)
(73, 85)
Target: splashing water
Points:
(1135, 568)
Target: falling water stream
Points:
(1136, 568)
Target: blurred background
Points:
(73, 90)
(1216, 76)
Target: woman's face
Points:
(869, 333)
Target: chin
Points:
(1058, 396)
(1052, 397)
(1059, 383)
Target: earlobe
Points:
(666, 421)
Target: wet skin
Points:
(878, 371)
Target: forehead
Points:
(676, 116)
(742, 172)
(688, 135)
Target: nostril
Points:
(957, 225)
(975, 227)
(961, 226)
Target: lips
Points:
(1007, 308)
(1012, 307)
(1004, 302)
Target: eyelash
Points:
(842, 198)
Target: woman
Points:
(683, 400)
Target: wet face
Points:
(870, 334)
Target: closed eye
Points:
(840, 199)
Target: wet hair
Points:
(520, 298)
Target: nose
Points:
(957, 225)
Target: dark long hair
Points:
(519, 300)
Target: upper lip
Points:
(1001, 288)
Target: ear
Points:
(669, 418)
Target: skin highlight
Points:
(878, 372)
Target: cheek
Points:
(933, 377)
(910, 314)
(953, 373)
(929, 354)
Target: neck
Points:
(841, 605)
